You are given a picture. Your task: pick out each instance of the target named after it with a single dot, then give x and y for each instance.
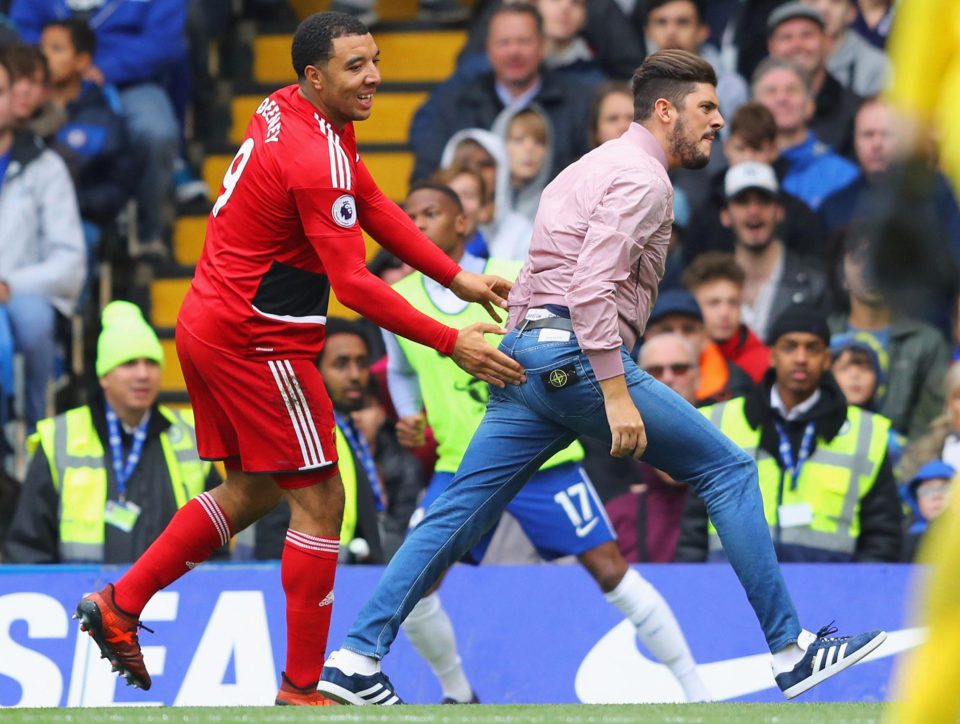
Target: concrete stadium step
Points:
(390, 122)
(188, 236)
(421, 56)
(391, 169)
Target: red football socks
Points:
(307, 571)
(197, 530)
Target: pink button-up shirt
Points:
(600, 244)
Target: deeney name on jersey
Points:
(271, 114)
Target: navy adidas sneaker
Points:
(474, 699)
(357, 689)
(826, 656)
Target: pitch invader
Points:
(558, 509)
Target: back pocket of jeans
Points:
(566, 389)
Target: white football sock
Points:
(659, 631)
(350, 662)
(430, 631)
(786, 658)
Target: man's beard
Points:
(690, 155)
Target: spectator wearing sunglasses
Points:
(677, 311)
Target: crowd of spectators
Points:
(854, 424)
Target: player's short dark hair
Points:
(657, 4)
(313, 39)
(668, 74)
(604, 91)
(24, 60)
(519, 8)
(339, 325)
(431, 185)
(81, 34)
(710, 267)
(754, 123)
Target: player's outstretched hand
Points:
(484, 361)
(487, 290)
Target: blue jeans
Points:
(523, 426)
(33, 320)
(155, 135)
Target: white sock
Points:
(659, 631)
(350, 662)
(787, 657)
(430, 631)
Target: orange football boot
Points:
(115, 633)
(292, 695)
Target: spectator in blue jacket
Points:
(813, 169)
(93, 141)
(137, 44)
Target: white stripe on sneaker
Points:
(385, 694)
(391, 701)
(843, 651)
(372, 690)
(817, 660)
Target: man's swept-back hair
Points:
(671, 75)
(313, 40)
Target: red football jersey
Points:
(287, 227)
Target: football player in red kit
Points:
(285, 230)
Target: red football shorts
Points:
(272, 414)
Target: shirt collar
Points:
(522, 100)
(797, 412)
(640, 136)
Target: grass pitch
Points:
(484, 714)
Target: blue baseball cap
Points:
(675, 301)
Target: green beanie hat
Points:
(125, 336)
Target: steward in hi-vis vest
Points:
(823, 466)
(106, 478)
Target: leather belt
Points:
(547, 323)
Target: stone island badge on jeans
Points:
(559, 377)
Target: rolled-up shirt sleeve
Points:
(632, 209)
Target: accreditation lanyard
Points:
(358, 444)
(786, 453)
(123, 469)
